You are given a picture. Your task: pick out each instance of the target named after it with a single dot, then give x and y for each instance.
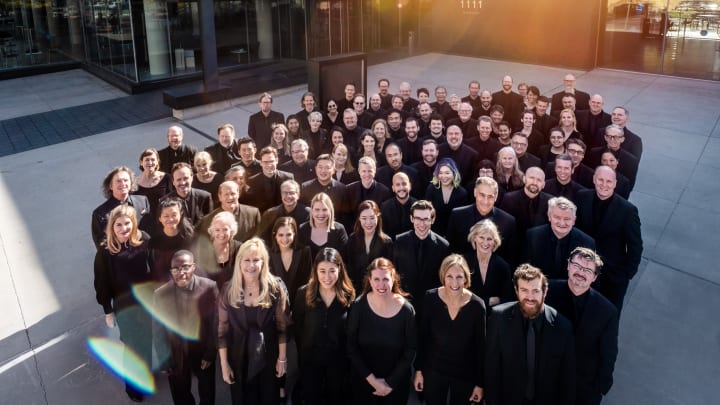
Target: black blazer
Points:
(337, 238)
(618, 237)
(628, 164)
(498, 280)
(197, 204)
(596, 338)
(264, 198)
(418, 277)
(396, 217)
(377, 192)
(582, 100)
(458, 198)
(506, 365)
(540, 248)
(516, 203)
(463, 218)
(589, 125)
(298, 273)
(569, 191)
(357, 258)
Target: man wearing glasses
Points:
(628, 164)
(183, 330)
(594, 320)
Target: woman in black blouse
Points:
(445, 193)
(122, 263)
(451, 346)
(175, 234)
(288, 259)
(381, 335)
(322, 230)
(152, 182)
(368, 241)
(491, 276)
(320, 312)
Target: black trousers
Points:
(263, 389)
(180, 381)
(437, 387)
(324, 384)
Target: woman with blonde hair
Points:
(205, 178)
(122, 264)
(507, 172)
(345, 172)
(322, 230)
(252, 323)
(445, 193)
(280, 140)
(491, 276)
(216, 251)
(568, 123)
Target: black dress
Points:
(451, 352)
(358, 258)
(337, 238)
(321, 340)
(384, 347)
(298, 273)
(163, 247)
(155, 192)
(498, 280)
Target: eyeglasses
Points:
(575, 152)
(614, 137)
(185, 268)
(578, 267)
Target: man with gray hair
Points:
(366, 188)
(548, 246)
(176, 151)
(247, 216)
(595, 323)
(302, 168)
(628, 164)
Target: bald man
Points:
(582, 99)
(529, 205)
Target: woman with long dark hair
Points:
(367, 242)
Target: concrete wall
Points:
(555, 32)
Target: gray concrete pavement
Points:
(668, 340)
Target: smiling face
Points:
(284, 236)
(123, 228)
(393, 157)
(182, 180)
(320, 213)
(379, 131)
(381, 282)
(485, 198)
(561, 221)
(327, 275)
(484, 243)
(578, 278)
(605, 182)
(557, 139)
(530, 297)
(290, 195)
(454, 280)
(507, 160)
(220, 232)
(340, 157)
(251, 265)
(174, 137)
(534, 180)
(201, 166)
(567, 120)
(170, 219)
(226, 137)
(308, 103)
(228, 195)
(422, 221)
(120, 185)
(430, 153)
(324, 170)
(563, 170)
(368, 144)
(401, 187)
(609, 160)
(182, 269)
(368, 221)
(293, 125)
(445, 176)
(149, 163)
(367, 174)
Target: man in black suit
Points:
(260, 123)
(117, 186)
(464, 121)
(589, 122)
(426, 167)
(464, 156)
(411, 145)
(562, 185)
(512, 103)
(409, 103)
(224, 151)
(544, 122)
(615, 225)
(196, 203)
(396, 211)
(520, 142)
(530, 350)
(628, 164)
(595, 322)
(176, 150)
(528, 206)
(547, 246)
(247, 216)
(419, 252)
(581, 173)
(246, 150)
(484, 144)
(463, 218)
(265, 186)
(324, 182)
(394, 159)
(568, 103)
(582, 99)
(302, 168)
(366, 188)
(290, 207)
(633, 143)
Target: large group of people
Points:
(474, 249)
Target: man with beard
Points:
(247, 216)
(547, 246)
(485, 105)
(530, 350)
(426, 166)
(394, 159)
(176, 150)
(436, 129)
(196, 203)
(188, 302)
(260, 124)
(595, 322)
(223, 152)
(411, 145)
(463, 156)
(544, 122)
(512, 102)
(529, 206)
(396, 211)
(384, 93)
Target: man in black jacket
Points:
(196, 203)
(260, 123)
(176, 150)
(595, 322)
(265, 186)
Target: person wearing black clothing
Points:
(396, 129)
(409, 103)
(394, 158)
(463, 218)
(628, 164)
(484, 144)
(396, 211)
(384, 93)
(175, 233)
(265, 186)
(196, 203)
(582, 98)
(187, 300)
(544, 122)
(322, 230)
(332, 116)
(325, 183)
(562, 184)
(528, 206)
(548, 246)
(366, 188)
(346, 102)
(375, 107)
(464, 156)
(465, 122)
(491, 276)
(595, 323)
(176, 151)
(301, 168)
(365, 118)
(610, 158)
(224, 151)
(441, 105)
(484, 109)
(530, 356)
(519, 143)
(117, 186)
(419, 252)
(381, 338)
(246, 150)
(451, 339)
(633, 143)
(289, 260)
(445, 193)
(411, 144)
(122, 262)
(290, 207)
(260, 124)
(308, 105)
(426, 167)
(615, 225)
(581, 173)
(474, 97)
(316, 134)
(590, 122)
(367, 242)
(216, 249)
(319, 315)
(512, 102)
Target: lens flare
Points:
(123, 362)
(186, 324)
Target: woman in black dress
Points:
(280, 140)
(289, 260)
(175, 234)
(367, 243)
(382, 340)
(122, 264)
(507, 173)
(451, 348)
(445, 193)
(345, 172)
(320, 313)
(555, 147)
(322, 230)
(252, 323)
(491, 276)
(205, 178)
(152, 182)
